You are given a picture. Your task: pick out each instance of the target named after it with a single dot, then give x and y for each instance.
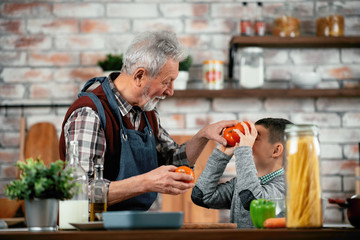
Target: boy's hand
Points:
(227, 150)
(249, 137)
(246, 139)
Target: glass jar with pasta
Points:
(286, 24)
(303, 189)
(330, 22)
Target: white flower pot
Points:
(181, 81)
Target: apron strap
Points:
(91, 82)
(95, 99)
(98, 105)
(113, 105)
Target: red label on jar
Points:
(213, 76)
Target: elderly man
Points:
(118, 123)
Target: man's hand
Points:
(164, 179)
(210, 132)
(214, 131)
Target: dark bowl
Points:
(353, 208)
(353, 211)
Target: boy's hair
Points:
(276, 127)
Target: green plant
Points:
(38, 181)
(185, 64)
(112, 63)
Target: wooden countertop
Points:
(189, 234)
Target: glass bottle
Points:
(251, 67)
(302, 171)
(75, 210)
(286, 24)
(245, 23)
(330, 22)
(98, 193)
(259, 25)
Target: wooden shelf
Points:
(296, 42)
(287, 42)
(268, 93)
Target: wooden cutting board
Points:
(209, 226)
(42, 141)
(8, 208)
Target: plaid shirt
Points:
(84, 125)
(266, 178)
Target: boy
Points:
(259, 171)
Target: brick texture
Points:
(52, 26)
(141, 10)
(26, 10)
(23, 75)
(53, 59)
(79, 10)
(12, 26)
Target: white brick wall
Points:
(129, 10)
(26, 75)
(78, 10)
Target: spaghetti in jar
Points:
(303, 187)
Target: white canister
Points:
(213, 74)
(251, 67)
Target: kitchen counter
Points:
(189, 234)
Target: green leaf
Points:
(38, 181)
(111, 63)
(185, 64)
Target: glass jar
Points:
(251, 67)
(302, 171)
(286, 24)
(76, 209)
(213, 74)
(330, 22)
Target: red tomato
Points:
(229, 136)
(188, 171)
(239, 126)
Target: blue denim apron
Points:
(138, 149)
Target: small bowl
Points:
(305, 79)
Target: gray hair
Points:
(151, 50)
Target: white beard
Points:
(151, 103)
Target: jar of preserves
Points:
(286, 24)
(330, 22)
(302, 171)
(213, 74)
(251, 67)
